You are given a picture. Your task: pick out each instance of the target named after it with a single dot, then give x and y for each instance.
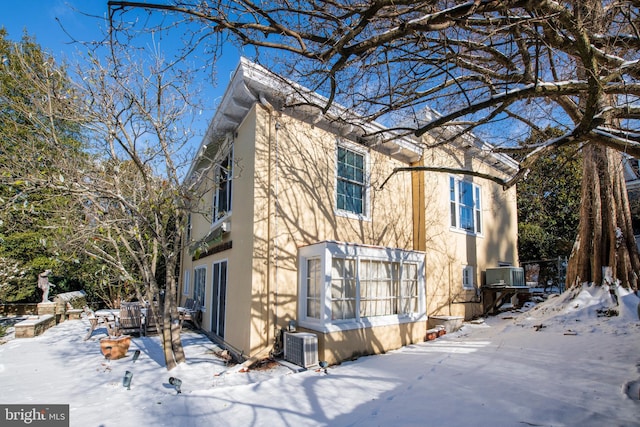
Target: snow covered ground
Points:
(559, 364)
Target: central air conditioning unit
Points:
(301, 348)
(505, 277)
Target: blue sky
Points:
(38, 17)
(54, 24)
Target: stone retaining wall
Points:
(34, 326)
(18, 309)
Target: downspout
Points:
(276, 254)
(271, 245)
(419, 221)
(449, 296)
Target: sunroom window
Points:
(378, 287)
(347, 286)
(343, 289)
(313, 283)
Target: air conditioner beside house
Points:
(505, 276)
(301, 348)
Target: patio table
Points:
(107, 316)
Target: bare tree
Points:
(500, 69)
(115, 143)
(138, 111)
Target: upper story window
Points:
(351, 181)
(466, 207)
(188, 230)
(223, 179)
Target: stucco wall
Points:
(284, 197)
(304, 193)
(448, 250)
(294, 199)
(240, 269)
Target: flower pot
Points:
(115, 347)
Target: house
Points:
(295, 231)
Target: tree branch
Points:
(495, 179)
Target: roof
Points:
(252, 83)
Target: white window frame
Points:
(223, 168)
(200, 294)
(186, 289)
(389, 308)
(343, 295)
(468, 278)
(313, 279)
(457, 205)
(360, 151)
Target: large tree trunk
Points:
(605, 236)
(171, 340)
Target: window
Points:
(199, 276)
(223, 174)
(343, 289)
(350, 187)
(185, 285)
(408, 296)
(378, 288)
(465, 205)
(348, 286)
(467, 277)
(313, 285)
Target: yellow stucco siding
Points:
(449, 249)
(284, 198)
(306, 192)
(241, 237)
(299, 173)
(348, 345)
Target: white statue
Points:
(43, 284)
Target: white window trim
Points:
(189, 229)
(468, 272)
(227, 151)
(366, 215)
(475, 187)
(326, 251)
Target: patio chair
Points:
(189, 304)
(190, 312)
(152, 321)
(130, 318)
